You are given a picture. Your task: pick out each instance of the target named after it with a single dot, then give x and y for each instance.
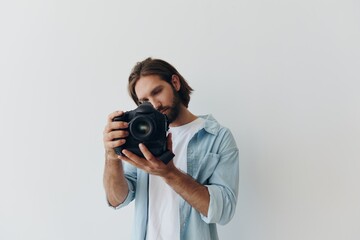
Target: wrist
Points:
(111, 161)
(172, 175)
(111, 156)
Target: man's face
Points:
(160, 94)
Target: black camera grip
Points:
(167, 156)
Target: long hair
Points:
(162, 69)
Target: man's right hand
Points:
(116, 186)
(112, 132)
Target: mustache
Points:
(161, 108)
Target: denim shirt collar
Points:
(211, 125)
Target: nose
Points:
(156, 104)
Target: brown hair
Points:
(162, 69)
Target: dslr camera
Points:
(147, 126)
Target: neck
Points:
(184, 117)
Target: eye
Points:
(157, 91)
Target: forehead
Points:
(146, 84)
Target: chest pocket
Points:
(206, 167)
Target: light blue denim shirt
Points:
(213, 160)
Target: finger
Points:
(145, 151)
(114, 114)
(115, 134)
(119, 125)
(169, 142)
(111, 126)
(133, 157)
(114, 144)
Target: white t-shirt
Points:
(163, 216)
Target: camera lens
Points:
(141, 128)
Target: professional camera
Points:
(147, 126)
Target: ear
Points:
(175, 80)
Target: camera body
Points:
(147, 126)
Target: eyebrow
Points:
(152, 93)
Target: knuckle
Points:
(107, 128)
(125, 133)
(116, 134)
(116, 143)
(120, 124)
(110, 117)
(108, 136)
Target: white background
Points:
(283, 75)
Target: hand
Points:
(194, 193)
(112, 132)
(149, 163)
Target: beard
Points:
(174, 109)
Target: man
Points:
(187, 197)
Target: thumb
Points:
(169, 142)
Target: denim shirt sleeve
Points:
(130, 173)
(224, 181)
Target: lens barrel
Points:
(142, 128)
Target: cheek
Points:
(170, 99)
(166, 99)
